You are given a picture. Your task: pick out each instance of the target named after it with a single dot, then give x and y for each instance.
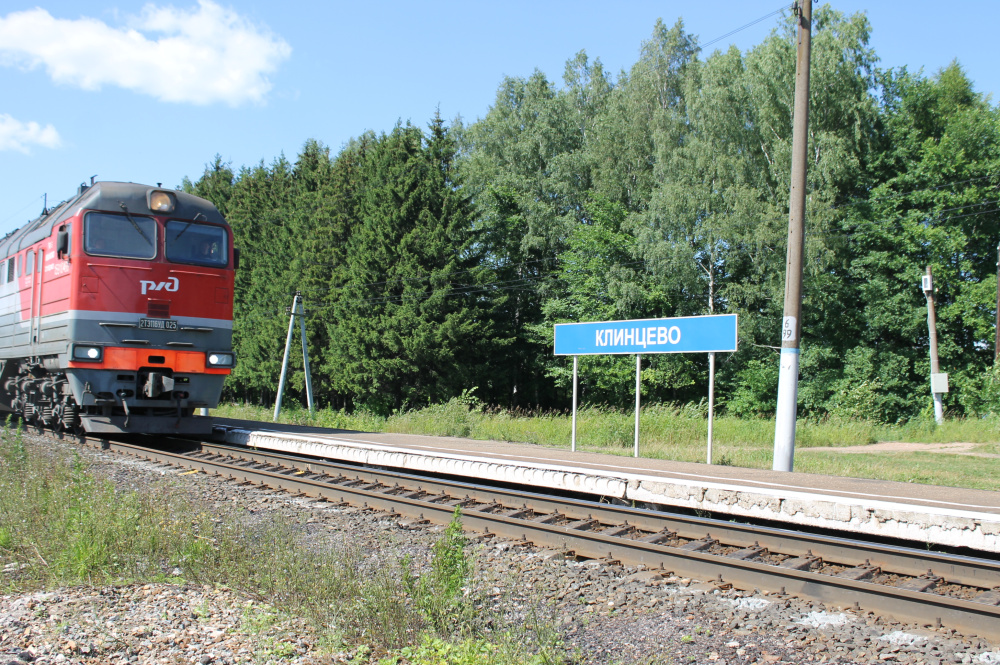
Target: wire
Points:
(20, 210)
(744, 27)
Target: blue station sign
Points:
(682, 334)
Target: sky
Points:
(150, 92)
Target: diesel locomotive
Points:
(116, 312)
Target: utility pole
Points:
(996, 348)
(297, 309)
(791, 326)
(939, 381)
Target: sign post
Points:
(711, 401)
(576, 364)
(685, 334)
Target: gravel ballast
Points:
(605, 613)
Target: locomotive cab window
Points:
(63, 242)
(124, 236)
(199, 244)
(30, 265)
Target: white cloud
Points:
(20, 136)
(202, 55)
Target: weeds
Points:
(438, 593)
(63, 526)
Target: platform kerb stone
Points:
(463, 466)
(927, 525)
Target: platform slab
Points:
(923, 514)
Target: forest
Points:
(434, 259)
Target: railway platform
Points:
(924, 514)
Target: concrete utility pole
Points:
(939, 381)
(791, 326)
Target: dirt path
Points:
(904, 447)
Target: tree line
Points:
(434, 261)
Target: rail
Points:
(920, 586)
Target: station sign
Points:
(681, 334)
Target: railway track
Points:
(912, 585)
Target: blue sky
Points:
(150, 92)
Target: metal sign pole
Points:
(711, 400)
(305, 355)
(575, 366)
(284, 361)
(638, 377)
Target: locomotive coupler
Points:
(157, 384)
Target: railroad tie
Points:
(748, 553)
(699, 545)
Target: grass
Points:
(916, 467)
(679, 433)
(62, 525)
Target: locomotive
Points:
(116, 312)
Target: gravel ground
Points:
(607, 614)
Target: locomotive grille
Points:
(158, 309)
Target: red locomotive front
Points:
(117, 311)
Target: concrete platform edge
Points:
(922, 524)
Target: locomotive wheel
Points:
(70, 418)
(45, 416)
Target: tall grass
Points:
(662, 426)
(61, 525)
(677, 433)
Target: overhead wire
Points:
(744, 27)
(21, 209)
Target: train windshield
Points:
(125, 236)
(200, 244)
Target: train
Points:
(116, 312)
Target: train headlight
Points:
(161, 202)
(88, 353)
(220, 359)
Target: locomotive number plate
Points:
(157, 324)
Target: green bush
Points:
(756, 389)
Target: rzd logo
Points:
(171, 284)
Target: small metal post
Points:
(573, 439)
(305, 354)
(284, 361)
(638, 378)
(711, 400)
